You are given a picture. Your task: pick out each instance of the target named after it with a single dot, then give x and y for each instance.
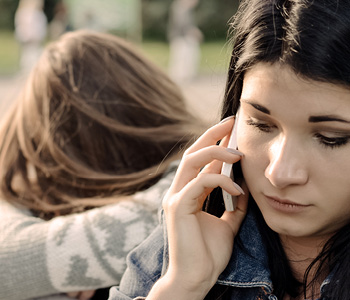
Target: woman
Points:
(289, 75)
(96, 124)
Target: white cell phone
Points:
(229, 200)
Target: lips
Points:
(285, 205)
(284, 201)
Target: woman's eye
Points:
(264, 127)
(332, 142)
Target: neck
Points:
(300, 253)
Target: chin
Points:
(288, 229)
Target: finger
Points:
(190, 199)
(215, 166)
(187, 172)
(193, 163)
(235, 218)
(212, 136)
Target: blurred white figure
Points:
(30, 31)
(184, 38)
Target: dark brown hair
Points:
(312, 38)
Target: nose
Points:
(287, 164)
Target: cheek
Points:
(254, 146)
(255, 159)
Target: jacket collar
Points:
(248, 266)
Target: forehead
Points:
(278, 85)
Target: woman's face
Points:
(295, 136)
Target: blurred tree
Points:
(49, 8)
(211, 16)
(7, 12)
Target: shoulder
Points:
(144, 267)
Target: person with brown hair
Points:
(86, 153)
(288, 98)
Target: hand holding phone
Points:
(229, 200)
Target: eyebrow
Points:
(312, 119)
(259, 107)
(326, 118)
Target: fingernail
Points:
(226, 119)
(238, 188)
(234, 151)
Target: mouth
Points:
(284, 204)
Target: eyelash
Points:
(261, 126)
(323, 140)
(332, 142)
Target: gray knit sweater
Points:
(76, 252)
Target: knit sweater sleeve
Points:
(76, 252)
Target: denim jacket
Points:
(247, 273)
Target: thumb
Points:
(235, 218)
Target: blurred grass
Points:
(214, 55)
(9, 53)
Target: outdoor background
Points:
(143, 22)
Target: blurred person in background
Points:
(184, 41)
(86, 154)
(30, 31)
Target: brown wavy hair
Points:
(96, 120)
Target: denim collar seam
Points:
(263, 284)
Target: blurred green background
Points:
(211, 17)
